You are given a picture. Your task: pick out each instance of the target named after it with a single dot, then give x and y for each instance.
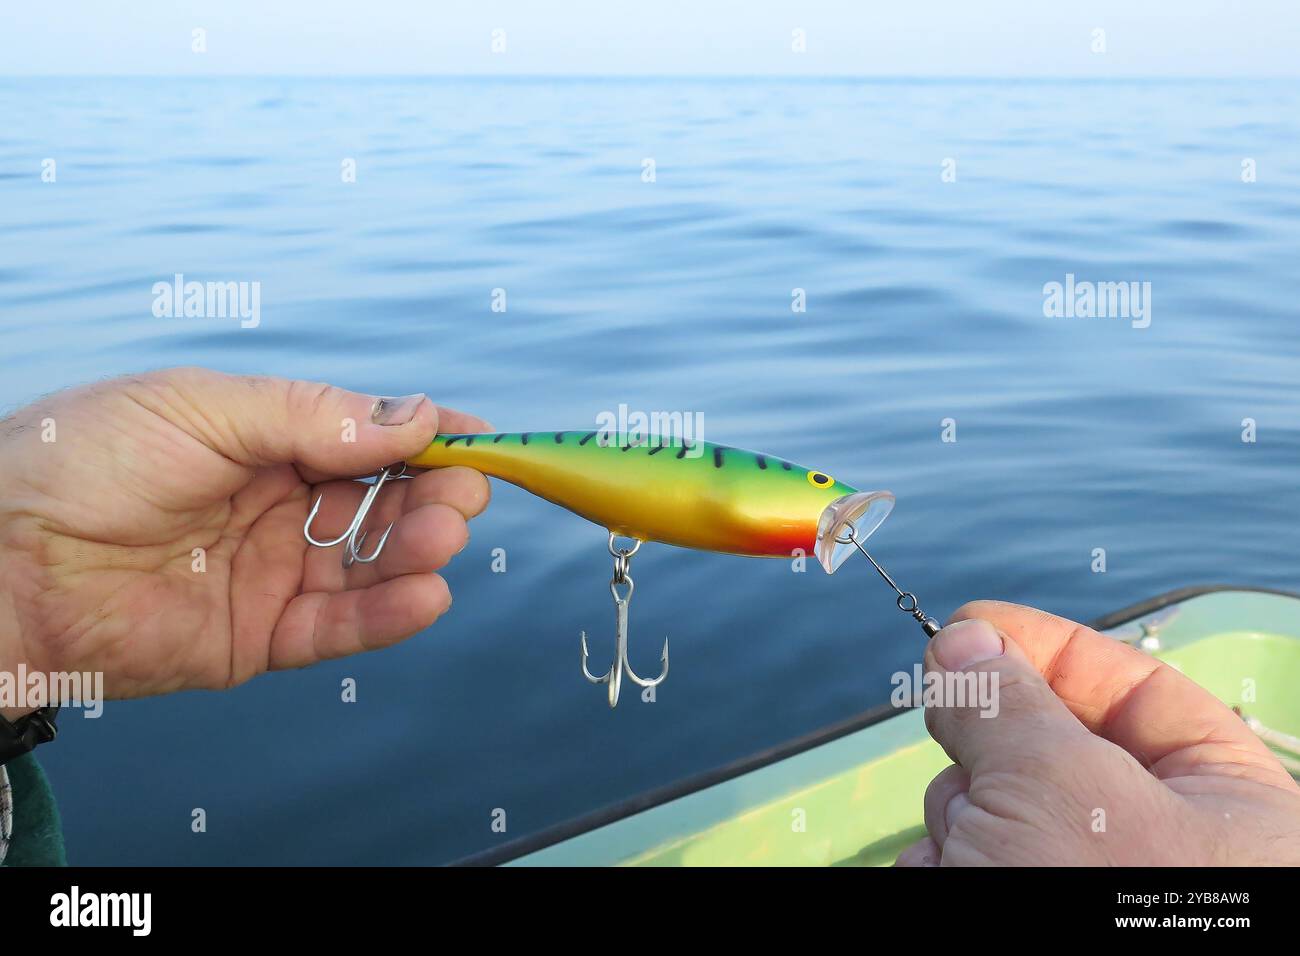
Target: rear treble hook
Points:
(614, 676)
(353, 535)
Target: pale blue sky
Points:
(911, 38)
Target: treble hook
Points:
(614, 676)
(353, 535)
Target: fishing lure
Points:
(690, 494)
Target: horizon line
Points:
(812, 77)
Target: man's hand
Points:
(158, 536)
(1099, 755)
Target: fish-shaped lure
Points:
(691, 494)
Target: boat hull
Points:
(851, 795)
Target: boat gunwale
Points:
(649, 799)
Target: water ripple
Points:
(499, 250)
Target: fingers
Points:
(369, 605)
(454, 422)
(425, 539)
(995, 712)
(461, 488)
(1158, 715)
(317, 627)
(921, 853)
(944, 799)
(325, 430)
(1026, 765)
(433, 526)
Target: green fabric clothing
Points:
(38, 835)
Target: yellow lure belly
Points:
(691, 494)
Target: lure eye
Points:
(819, 480)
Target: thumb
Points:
(987, 704)
(325, 430)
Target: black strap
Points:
(26, 733)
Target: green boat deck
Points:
(855, 800)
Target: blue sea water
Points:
(924, 303)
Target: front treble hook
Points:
(614, 676)
(353, 535)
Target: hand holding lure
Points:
(694, 495)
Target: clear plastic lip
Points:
(863, 511)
